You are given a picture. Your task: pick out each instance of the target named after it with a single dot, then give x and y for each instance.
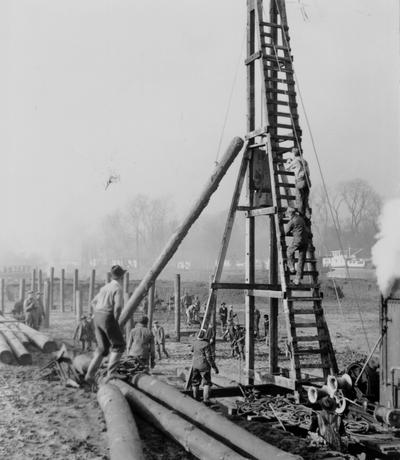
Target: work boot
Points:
(93, 366)
(195, 393)
(296, 281)
(291, 268)
(206, 394)
(113, 362)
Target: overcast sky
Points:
(93, 87)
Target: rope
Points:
(337, 231)
(238, 65)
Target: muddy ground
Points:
(45, 420)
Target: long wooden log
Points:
(123, 437)
(41, 340)
(20, 352)
(207, 418)
(192, 438)
(6, 355)
(176, 239)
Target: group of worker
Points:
(30, 310)
(299, 225)
(141, 342)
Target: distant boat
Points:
(342, 259)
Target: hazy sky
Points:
(91, 87)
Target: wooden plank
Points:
(305, 325)
(267, 211)
(211, 301)
(266, 294)
(306, 338)
(281, 91)
(177, 297)
(244, 286)
(278, 69)
(253, 57)
(256, 132)
(273, 46)
(271, 24)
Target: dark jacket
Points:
(298, 229)
(202, 355)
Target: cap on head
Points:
(223, 303)
(117, 271)
(83, 317)
(144, 320)
(155, 322)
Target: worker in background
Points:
(190, 313)
(328, 424)
(223, 315)
(196, 304)
(18, 310)
(266, 326)
(257, 317)
(83, 333)
(40, 315)
(299, 166)
(107, 307)
(296, 228)
(231, 315)
(238, 340)
(141, 343)
(30, 308)
(159, 339)
(203, 362)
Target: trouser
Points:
(302, 251)
(161, 347)
(302, 195)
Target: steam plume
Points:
(386, 251)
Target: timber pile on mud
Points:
(15, 337)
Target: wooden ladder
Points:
(309, 343)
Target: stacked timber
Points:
(16, 336)
(201, 431)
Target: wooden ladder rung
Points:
(308, 351)
(277, 47)
(287, 81)
(278, 69)
(281, 91)
(285, 126)
(287, 197)
(310, 272)
(305, 325)
(303, 311)
(273, 24)
(304, 299)
(265, 34)
(274, 58)
(283, 172)
(286, 185)
(306, 338)
(284, 137)
(304, 286)
(312, 366)
(287, 115)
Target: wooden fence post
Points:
(51, 293)
(40, 281)
(75, 287)
(129, 323)
(2, 289)
(22, 289)
(92, 282)
(33, 280)
(150, 305)
(126, 283)
(62, 290)
(177, 290)
(46, 322)
(78, 303)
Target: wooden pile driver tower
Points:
(269, 191)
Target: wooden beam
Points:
(177, 291)
(246, 286)
(267, 211)
(265, 294)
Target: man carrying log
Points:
(203, 361)
(107, 306)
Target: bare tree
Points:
(361, 202)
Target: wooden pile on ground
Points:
(16, 336)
